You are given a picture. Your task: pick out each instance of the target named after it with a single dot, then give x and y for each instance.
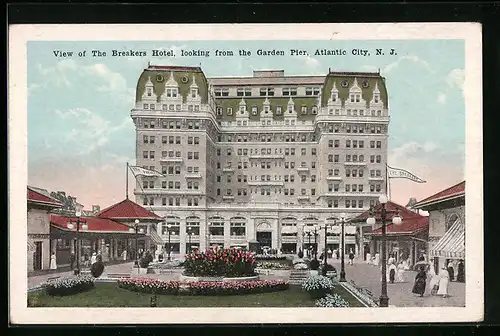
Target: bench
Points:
(118, 275)
(53, 278)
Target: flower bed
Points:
(69, 286)
(269, 257)
(318, 286)
(330, 300)
(219, 262)
(186, 279)
(154, 286)
(273, 265)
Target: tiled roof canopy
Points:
(452, 192)
(94, 224)
(412, 222)
(38, 198)
(127, 209)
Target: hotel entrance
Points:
(264, 239)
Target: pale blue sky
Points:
(79, 124)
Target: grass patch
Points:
(110, 295)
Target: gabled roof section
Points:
(410, 226)
(391, 206)
(452, 192)
(127, 210)
(95, 224)
(36, 197)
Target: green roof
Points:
(184, 78)
(366, 91)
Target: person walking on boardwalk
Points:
(434, 280)
(461, 271)
(53, 262)
(351, 257)
(71, 260)
(392, 272)
(444, 280)
(420, 281)
(400, 272)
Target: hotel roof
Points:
(127, 210)
(458, 190)
(95, 224)
(36, 197)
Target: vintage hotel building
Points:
(263, 158)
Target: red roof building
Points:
(450, 194)
(95, 224)
(407, 240)
(127, 210)
(36, 198)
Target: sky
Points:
(81, 135)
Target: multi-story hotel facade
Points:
(264, 158)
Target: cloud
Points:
(407, 58)
(311, 63)
(91, 131)
(441, 98)
(66, 72)
(456, 78)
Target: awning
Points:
(156, 238)
(452, 244)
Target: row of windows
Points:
(172, 107)
(268, 110)
(151, 123)
(170, 184)
(266, 91)
(348, 203)
(171, 201)
(353, 187)
(171, 140)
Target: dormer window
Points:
(145, 106)
(242, 109)
(304, 109)
(150, 92)
(229, 111)
(290, 108)
(334, 97)
(278, 110)
(190, 108)
(375, 98)
(266, 109)
(353, 98)
(194, 92)
(197, 108)
(219, 110)
(152, 106)
(172, 93)
(314, 110)
(254, 110)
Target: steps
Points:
(297, 276)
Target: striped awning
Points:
(156, 238)
(452, 244)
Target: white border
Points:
(17, 145)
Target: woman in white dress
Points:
(444, 280)
(434, 280)
(368, 258)
(406, 267)
(53, 262)
(93, 259)
(376, 261)
(401, 272)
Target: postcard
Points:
(230, 173)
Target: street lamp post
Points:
(169, 227)
(315, 243)
(342, 252)
(135, 229)
(325, 256)
(70, 226)
(396, 220)
(309, 234)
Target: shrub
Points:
(269, 257)
(300, 266)
(219, 262)
(314, 264)
(317, 286)
(68, 286)
(144, 262)
(97, 268)
(330, 300)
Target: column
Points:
(203, 235)
(275, 235)
(227, 233)
(361, 243)
(250, 230)
(300, 238)
(148, 228)
(182, 237)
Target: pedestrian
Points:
(336, 252)
(444, 280)
(391, 260)
(392, 273)
(53, 262)
(368, 258)
(93, 259)
(86, 260)
(451, 271)
(434, 280)
(71, 260)
(351, 257)
(461, 271)
(420, 281)
(376, 260)
(422, 258)
(401, 272)
(329, 253)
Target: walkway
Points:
(400, 295)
